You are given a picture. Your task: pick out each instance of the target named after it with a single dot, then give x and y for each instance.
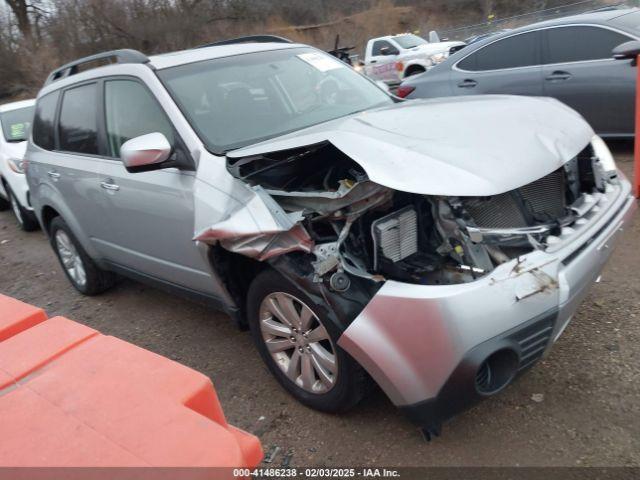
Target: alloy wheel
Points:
(71, 259)
(298, 342)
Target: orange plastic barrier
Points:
(72, 397)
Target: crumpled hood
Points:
(457, 146)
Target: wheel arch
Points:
(47, 214)
(414, 69)
(235, 272)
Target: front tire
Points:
(80, 269)
(298, 343)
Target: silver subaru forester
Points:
(437, 247)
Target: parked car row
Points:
(360, 237)
(568, 58)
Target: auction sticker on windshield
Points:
(321, 62)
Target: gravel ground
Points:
(580, 406)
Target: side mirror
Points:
(434, 37)
(627, 50)
(145, 153)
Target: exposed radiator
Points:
(395, 236)
(546, 197)
(544, 200)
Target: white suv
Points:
(15, 124)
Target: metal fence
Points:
(497, 24)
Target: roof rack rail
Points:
(248, 39)
(120, 56)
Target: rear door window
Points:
(78, 125)
(131, 111)
(580, 43)
(512, 52)
(44, 119)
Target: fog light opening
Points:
(496, 372)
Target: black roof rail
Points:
(248, 39)
(120, 56)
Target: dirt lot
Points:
(578, 407)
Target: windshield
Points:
(410, 40)
(16, 124)
(235, 101)
(630, 21)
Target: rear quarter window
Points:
(44, 119)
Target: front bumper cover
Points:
(459, 392)
(423, 344)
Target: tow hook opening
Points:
(496, 372)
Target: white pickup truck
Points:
(394, 57)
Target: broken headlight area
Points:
(319, 203)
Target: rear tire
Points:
(80, 269)
(300, 348)
(26, 219)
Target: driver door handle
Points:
(109, 185)
(467, 83)
(558, 75)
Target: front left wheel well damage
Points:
(238, 271)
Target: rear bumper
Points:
(424, 345)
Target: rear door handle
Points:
(109, 185)
(558, 76)
(53, 174)
(467, 83)
(373, 61)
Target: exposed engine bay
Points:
(323, 205)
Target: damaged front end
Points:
(317, 201)
(441, 299)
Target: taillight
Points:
(404, 90)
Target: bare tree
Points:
(20, 9)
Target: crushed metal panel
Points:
(264, 247)
(261, 215)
